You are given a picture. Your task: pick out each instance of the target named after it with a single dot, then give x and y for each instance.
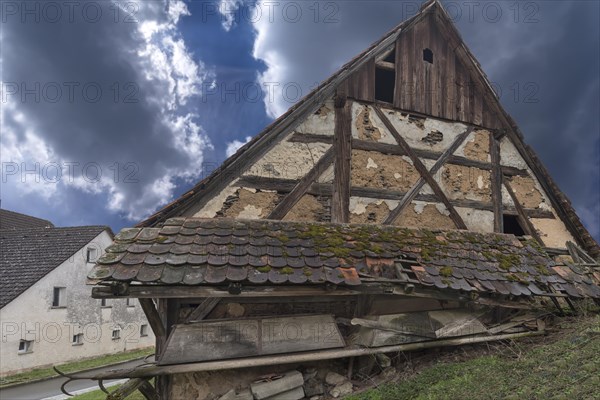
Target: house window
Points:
(25, 346)
(385, 81)
(428, 56)
(58, 296)
(104, 303)
(512, 225)
(130, 302)
(143, 330)
(92, 254)
(116, 334)
(78, 339)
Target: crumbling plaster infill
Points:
(476, 146)
(251, 204)
(461, 182)
(366, 125)
(415, 131)
(365, 210)
(553, 232)
(321, 122)
(421, 214)
(288, 160)
(307, 209)
(215, 204)
(377, 170)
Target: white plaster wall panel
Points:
(52, 329)
(322, 122)
(215, 204)
(477, 220)
(288, 160)
(553, 232)
(327, 176)
(509, 155)
(414, 132)
(506, 198)
(358, 205)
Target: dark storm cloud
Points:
(93, 91)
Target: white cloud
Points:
(229, 10)
(233, 146)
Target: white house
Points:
(46, 313)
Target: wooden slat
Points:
(203, 309)
(292, 198)
(342, 145)
(525, 222)
(351, 351)
(173, 292)
(148, 391)
(326, 190)
(236, 338)
(496, 184)
(387, 148)
(153, 317)
(426, 176)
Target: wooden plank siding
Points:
(445, 89)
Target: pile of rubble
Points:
(294, 385)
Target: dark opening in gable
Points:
(512, 225)
(391, 57)
(385, 80)
(428, 56)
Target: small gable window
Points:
(59, 297)
(428, 56)
(25, 346)
(512, 225)
(385, 80)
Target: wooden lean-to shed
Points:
(394, 208)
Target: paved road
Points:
(51, 387)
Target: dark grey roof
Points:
(15, 220)
(27, 255)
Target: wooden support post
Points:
(342, 145)
(300, 189)
(496, 184)
(126, 389)
(525, 222)
(148, 391)
(426, 175)
(168, 309)
(153, 317)
(203, 309)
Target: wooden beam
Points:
(426, 175)
(342, 145)
(126, 389)
(525, 222)
(350, 351)
(326, 189)
(147, 292)
(300, 189)
(148, 391)
(496, 178)
(203, 309)
(152, 315)
(387, 148)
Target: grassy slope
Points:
(565, 366)
(75, 366)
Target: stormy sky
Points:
(110, 109)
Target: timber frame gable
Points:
(476, 107)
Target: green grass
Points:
(74, 366)
(566, 366)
